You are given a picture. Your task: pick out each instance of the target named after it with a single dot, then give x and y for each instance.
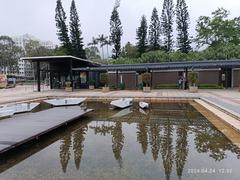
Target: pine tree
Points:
(116, 32)
(154, 31)
(75, 33)
(62, 32)
(183, 42)
(142, 36)
(167, 24)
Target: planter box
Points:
(193, 89)
(91, 87)
(105, 89)
(146, 89)
(68, 89)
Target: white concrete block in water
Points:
(122, 103)
(65, 101)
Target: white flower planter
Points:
(193, 89)
(68, 89)
(91, 87)
(105, 89)
(146, 89)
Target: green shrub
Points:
(193, 78)
(122, 86)
(104, 79)
(146, 78)
(140, 86)
(68, 84)
(92, 82)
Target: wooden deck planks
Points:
(21, 129)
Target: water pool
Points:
(169, 141)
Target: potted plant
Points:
(122, 86)
(91, 84)
(68, 87)
(193, 79)
(146, 78)
(104, 79)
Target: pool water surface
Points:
(168, 141)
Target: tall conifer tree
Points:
(116, 32)
(183, 42)
(142, 36)
(62, 29)
(154, 31)
(75, 33)
(167, 24)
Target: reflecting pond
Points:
(168, 141)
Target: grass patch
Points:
(209, 86)
(167, 86)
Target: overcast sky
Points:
(36, 17)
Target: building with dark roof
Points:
(79, 71)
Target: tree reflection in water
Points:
(181, 148)
(167, 149)
(65, 151)
(78, 140)
(160, 130)
(210, 140)
(142, 136)
(154, 139)
(117, 142)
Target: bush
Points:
(92, 82)
(104, 79)
(68, 84)
(146, 78)
(122, 86)
(193, 78)
(140, 86)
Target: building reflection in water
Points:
(165, 133)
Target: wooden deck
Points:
(23, 128)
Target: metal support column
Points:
(117, 79)
(71, 75)
(186, 78)
(38, 77)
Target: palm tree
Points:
(94, 42)
(102, 39)
(108, 43)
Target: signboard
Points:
(3, 81)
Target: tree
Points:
(9, 55)
(167, 24)
(92, 53)
(34, 48)
(108, 43)
(154, 31)
(94, 42)
(183, 42)
(218, 30)
(75, 33)
(102, 40)
(62, 29)
(129, 51)
(142, 36)
(116, 32)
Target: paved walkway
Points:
(228, 99)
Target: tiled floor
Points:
(230, 99)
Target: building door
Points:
(226, 78)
